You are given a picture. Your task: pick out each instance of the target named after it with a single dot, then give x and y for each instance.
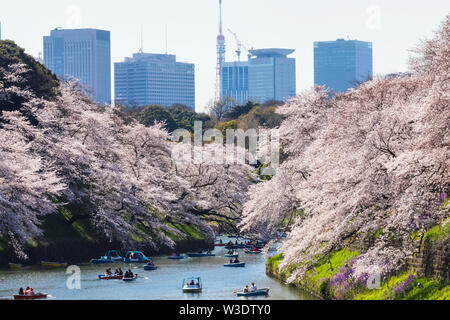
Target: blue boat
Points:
(259, 292)
(176, 257)
(150, 268)
(135, 257)
(235, 265)
(111, 256)
(234, 255)
(199, 255)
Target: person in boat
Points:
(253, 287)
(192, 283)
(21, 292)
(29, 291)
(236, 260)
(128, 274)
(245, 290)
(108, 272)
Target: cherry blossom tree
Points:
(369, 164)
(118, 174)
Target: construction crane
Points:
(239, 45)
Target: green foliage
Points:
(224, 126)
(155, 113)
(260, 117)
(57, 228)
(185, 117)
(439, 232)
(431, 289)
(252, 116)
(328, 266)
(191, 232)
(273, 262)
(240, 110)
(41, 81)
(379, 232)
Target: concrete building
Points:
(342, 64)
(148, 78)
(82, 54)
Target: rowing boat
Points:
(130, 279)
(235, 265)
(15, 266)
(198, 255)
(259, 292)
(176, 257)
(104, 277)
(30, 297)
(150, 268)
(192, 285)
(46, 264)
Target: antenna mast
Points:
(221, 50)
(141, 50)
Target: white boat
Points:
(192, 285)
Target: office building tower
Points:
(271, 75)
(84, 55)
(235, 81)
(342, 64)
(146, 79)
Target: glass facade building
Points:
(82, 54)
(146, 79)
(235, 81)
(271, 75)
(342, 64)
(268, 75)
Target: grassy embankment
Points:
(406, 285)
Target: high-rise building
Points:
(235, 81)
(159, 79)
(342, 64)
(82, 54)
(271, 75)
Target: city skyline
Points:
(192, 32)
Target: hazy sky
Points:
(394, 26)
